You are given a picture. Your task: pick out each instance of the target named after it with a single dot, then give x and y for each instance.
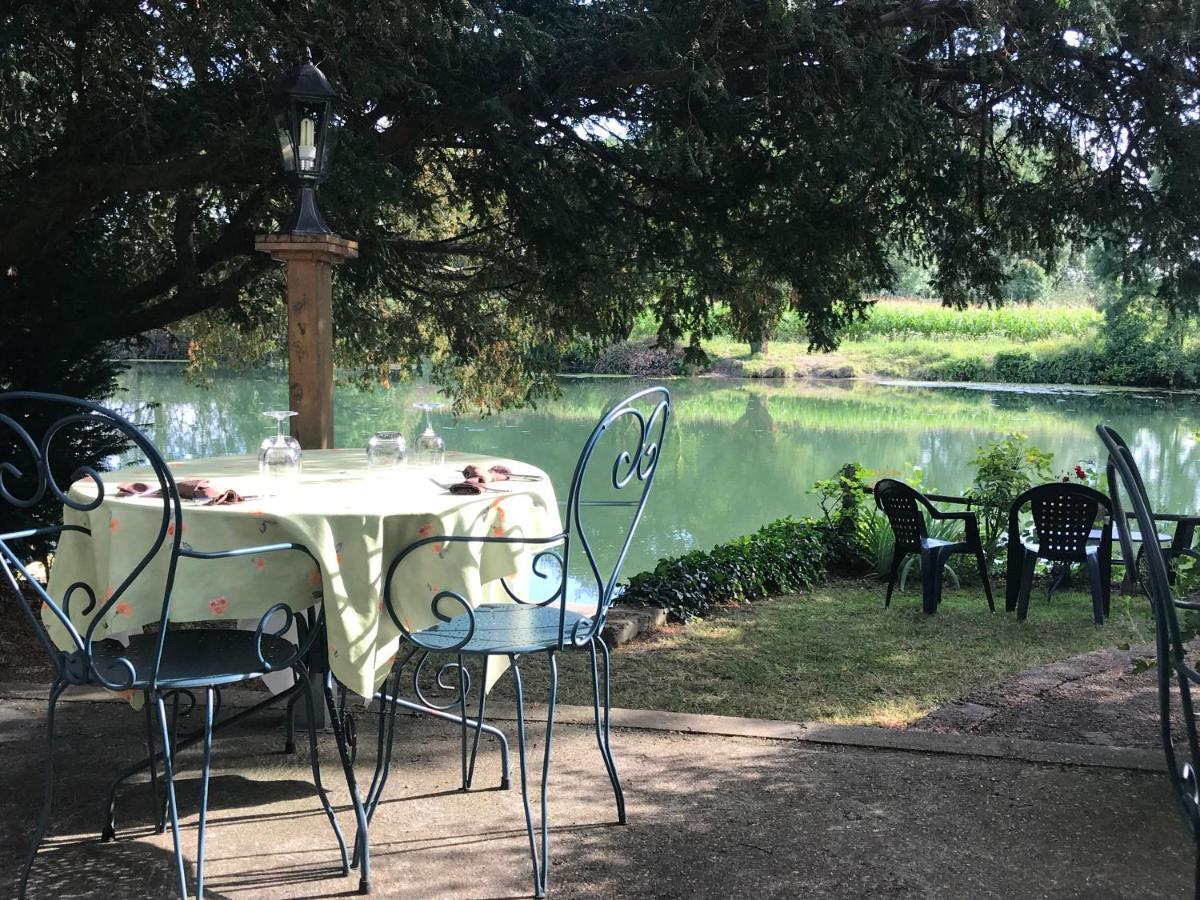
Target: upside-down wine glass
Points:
(279, 457)
(429, 449)
(387, 451)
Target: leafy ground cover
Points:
(836, 655)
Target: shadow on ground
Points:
(709, 817)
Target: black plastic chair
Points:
(1175, 675)
(1064, 515)
(40, 437)
(903, 505)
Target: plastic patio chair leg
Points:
(205, 773)
(172, 808)
(362, 849)
(897, 561)
(981, 563)
(56, 691)
(310, 721)
(1028, 564)
(931, 581)
(1096, 579)
(603, 731)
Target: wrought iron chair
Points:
(1063, 517)
(1175, 674)
(524, 627)
(905, 508)
(40, 435)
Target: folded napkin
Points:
(467, 487)
(189, 489)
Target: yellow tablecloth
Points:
(353, 521)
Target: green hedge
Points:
(784, 556)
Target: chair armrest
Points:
(963, 516)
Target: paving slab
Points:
(710, 816)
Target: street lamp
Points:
(307, 121)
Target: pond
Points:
(740, 452)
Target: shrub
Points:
(784, 556)
(1004, 469)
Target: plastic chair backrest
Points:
(902, 504)
(1063, 517)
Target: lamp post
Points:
(307, 122)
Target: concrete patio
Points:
(794, 812)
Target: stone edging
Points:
(856, 736)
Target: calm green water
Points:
(739, 454)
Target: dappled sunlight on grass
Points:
(837, 655)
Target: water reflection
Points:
(739, 454)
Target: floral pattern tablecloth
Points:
(353, 521)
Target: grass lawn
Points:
(837, 655)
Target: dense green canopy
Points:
(521, 174)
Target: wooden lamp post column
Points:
(307, 123)
(310, 259)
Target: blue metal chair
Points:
(40, 436)
(1176, 676)
(637, 425)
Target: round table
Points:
(352, 520)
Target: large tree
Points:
(520, 174)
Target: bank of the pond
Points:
(1066, 360)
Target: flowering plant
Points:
(1084, 472)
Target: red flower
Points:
(1080, 474)
(218, 605)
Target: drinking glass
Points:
(279, 456)
(429, 449)
(386, 451)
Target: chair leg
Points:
(539, 868)
(603, 731)
(931, 581)
(897, 560)
(1028, 564)
(56, 691)
(362, 850)
(479, 727)
(172, 808)
(463, 684)
(152, 751)
(289, 739)
(1096, 579)
(981, 563)
(205, 772)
